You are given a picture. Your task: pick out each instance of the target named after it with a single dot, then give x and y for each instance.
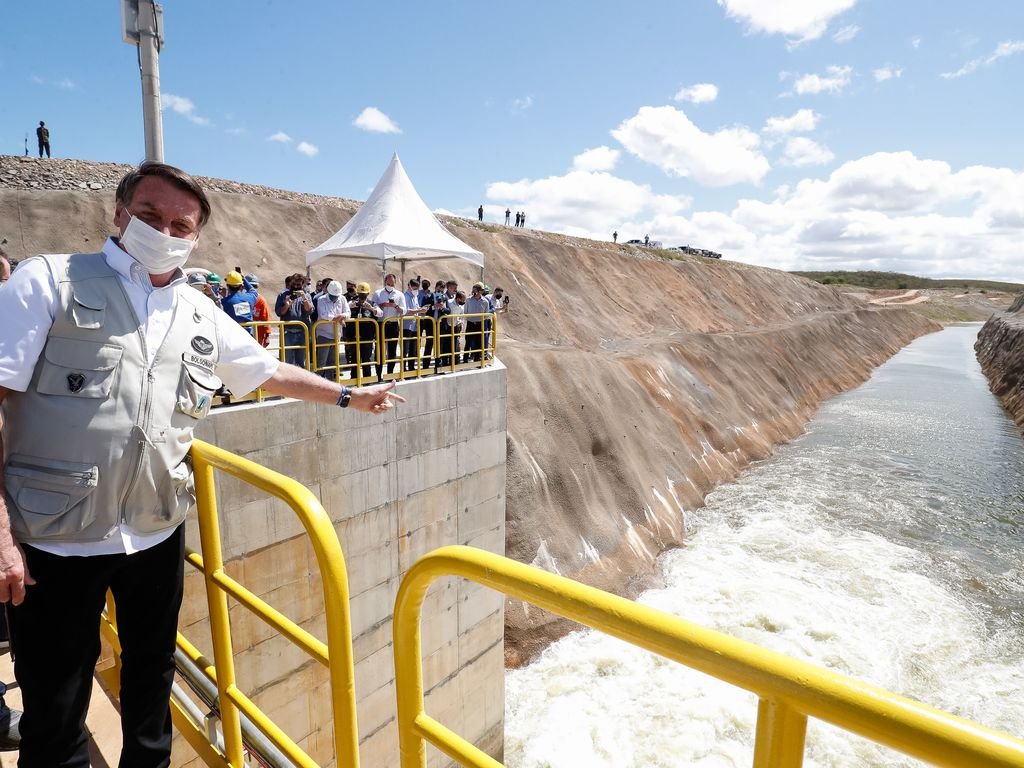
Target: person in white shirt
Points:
(55, 573)
(391, 302)
(411, 328)
(332, 312)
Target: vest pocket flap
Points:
(196, 389)
(202, 376)
(86, 355)
(76, 368)
(45, 491)
(87, 307)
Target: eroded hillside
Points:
(636, 384)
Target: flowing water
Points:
(884, 543)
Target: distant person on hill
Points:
(260, 312)
(508, 213)
(522, 219)
(480, 213)
(43, 135)
(519, 218)
(615, 237)
(647, 240)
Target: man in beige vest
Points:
(107, 363)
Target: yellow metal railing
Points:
(789, 690)
(336, 653)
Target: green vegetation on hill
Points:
(898, 281)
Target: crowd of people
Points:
(336, 327)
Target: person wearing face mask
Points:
(332, 311)
(240, 304)
(116, 351)
(363, 310)
(295, 306)
(392, 304)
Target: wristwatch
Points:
(345, 397)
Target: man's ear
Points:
(119, 214)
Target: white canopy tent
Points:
(394, 224)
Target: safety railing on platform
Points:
(224, 746)
(789, 691)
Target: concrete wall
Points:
(429, 473)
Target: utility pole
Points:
(142, 26)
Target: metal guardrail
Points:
(789, 691)
(367, 348)
(225, 746)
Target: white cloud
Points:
(373, 120)
(665, 137)
(597, 159)
(833, 81)
(522, 104)
(309, 150)
(846, 34)
(588, 204)
(1009, 48)
(234, 131)
(887, 73)
(698, 94)
(799, 20)
(801, 151)
(183, 106)
(280, 136)
(64, 83)
(802, 121)
(885, 211)
(915, 43)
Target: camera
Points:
(504, 299)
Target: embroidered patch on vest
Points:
(202, 345)
(76, 381)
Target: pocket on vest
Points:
(78, 368)
(197, 386)
(51, 496)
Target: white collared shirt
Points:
(28, 307)
(330, 310)
(382, 296)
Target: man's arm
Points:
(14, 575)
(292, 381)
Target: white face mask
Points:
(157, 252)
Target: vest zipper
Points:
(64, 472)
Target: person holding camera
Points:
(293, 306)
(361, 309)
(391, 302)
(444, 305)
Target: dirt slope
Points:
(636, 384)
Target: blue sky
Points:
(800, 134)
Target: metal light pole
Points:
(142, 25)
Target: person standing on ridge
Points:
(508, 212)
(120, 359)
(43, 135)
(615, 236)
(480, 213)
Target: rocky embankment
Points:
(637, 384)
(1000, 349)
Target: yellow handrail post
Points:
(220, 627)
(781, 731)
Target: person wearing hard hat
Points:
(239, 303)
(362, 309)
